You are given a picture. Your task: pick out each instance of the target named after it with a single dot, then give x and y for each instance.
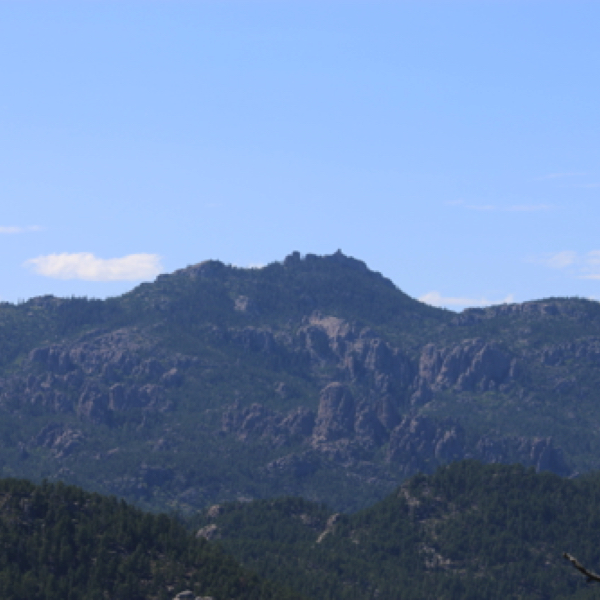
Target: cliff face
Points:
(467, 366)
(299, 378)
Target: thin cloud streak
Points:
(560, 260)
(593, 258)
(13, 230)
(528, 207)
(585, 266)
(86, 266)
(434, 298)
(495, 207)
(558, 176)
(487, 207)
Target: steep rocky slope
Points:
(313, 376)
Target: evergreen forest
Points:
(58, 542)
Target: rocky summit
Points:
(313, 376)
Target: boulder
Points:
(209, 532)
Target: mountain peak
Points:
(337, 257)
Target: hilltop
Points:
(469, 531)
(314, 376)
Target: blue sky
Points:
(452, 146)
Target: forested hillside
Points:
(470, 531)
(58, 542)
(312, 377)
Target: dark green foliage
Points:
(176, 455)
(468, 531)
(187, 314)
(59, 542)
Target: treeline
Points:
(467, 532)
(58, 542)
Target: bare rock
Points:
(387, 412)
(360, 354)
(420, 443)
(214, 511)
(118, 397)
(150, 369)
(250, 421)
(299, 422)
(557, 354)
(172, 378)
(335, 419)
(331, 523)
(472, 364)
(246, 305)
(545, 457)
(186, 595)
(209, 532)
(153, 396)
(258, 421)
(61, 439)
(368, 427)
(93, 403)
(207, 269)
(533, 309)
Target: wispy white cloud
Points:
(528, 207)
(85, 265)
(591, 265)
(500, 208)
(488, 207)
(583, 266)
(12, 229)
(558, 176)
(434, 298)
(560, 260)
(593, 258)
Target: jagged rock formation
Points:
(416, 443)
(465, 366)
(217, 383)
(100, 373)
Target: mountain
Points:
(313, 376)
(60, 543)
(469, 531)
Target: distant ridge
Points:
(311, 376)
